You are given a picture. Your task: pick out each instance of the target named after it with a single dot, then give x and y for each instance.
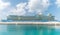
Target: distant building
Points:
(30, 18)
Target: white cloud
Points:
(4, 5)
(58, 3)
(37, 6)
(20, 9)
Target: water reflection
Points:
(30, 29)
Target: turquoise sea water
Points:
(28, 30)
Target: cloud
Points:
(31, 6)
(3, 6)
(20, 9)
(38, 5)
(58, 3)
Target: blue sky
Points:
(29, 7)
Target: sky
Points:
(29, 7)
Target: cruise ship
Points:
(38, 17)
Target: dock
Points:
(38, 23)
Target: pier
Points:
(44, 23)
